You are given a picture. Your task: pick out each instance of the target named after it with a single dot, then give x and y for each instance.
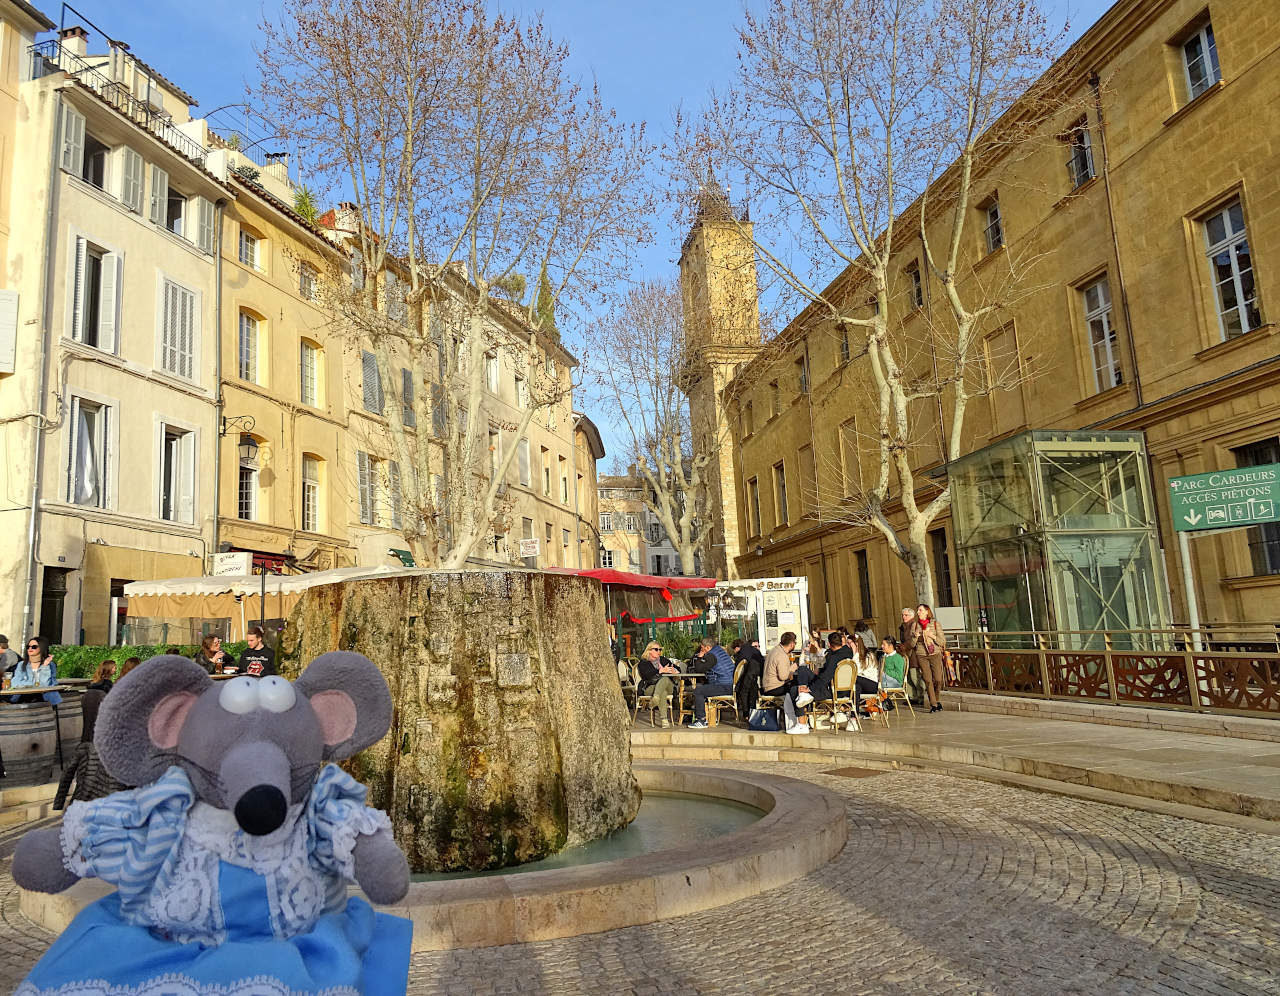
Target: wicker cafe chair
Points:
(874, 702)
(842, 685)
(897, 694)
(640, 700)
(730, 701)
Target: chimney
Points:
(75, 40)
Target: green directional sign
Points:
(1226, 499)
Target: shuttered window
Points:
(406, 397)
(397, 501)
(72, 140)
(364, 481)
(522, 455)
(95, 310)
(177, 474)
(248, 348)
(310, 494)
(437, 410)
(131, 180)
(374, 401)
(204, 225)
(177, 330)
(90, 459)
(310, 366)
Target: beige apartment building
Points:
(1149, 313)
(170, 386)
(111, 400)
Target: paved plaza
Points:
(946, 885)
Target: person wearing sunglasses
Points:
(36, 670)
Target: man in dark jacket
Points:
(837, 651)
(719, 672)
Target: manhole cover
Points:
(853, 772)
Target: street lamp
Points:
(248, 446)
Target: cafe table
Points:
(677, 707)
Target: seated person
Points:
(837, 651)
(213, 658)
(894, 664)
(718, 667)
(790, 682)
(868, 665)
(36, 670)
(656, 680)
(102, 677)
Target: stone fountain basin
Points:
(803, 828)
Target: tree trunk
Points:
(687, 565)
(917, 559)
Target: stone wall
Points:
(510, 738)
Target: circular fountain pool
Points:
(665, 820)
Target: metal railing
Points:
(1226, 669)
(52, 56)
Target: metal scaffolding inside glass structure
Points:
(1055, 534)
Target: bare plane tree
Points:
(473, 161)
(640, 350)
(861, 127)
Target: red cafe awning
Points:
(646, 590)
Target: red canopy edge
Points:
(607, 575)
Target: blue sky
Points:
(648, 57)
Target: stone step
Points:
(1260, 727)
(26, 812)
(738, 745)
(17, 794)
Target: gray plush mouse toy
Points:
(232, 857)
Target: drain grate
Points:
(854, 772)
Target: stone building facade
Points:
(170, 385)
(1149, 313)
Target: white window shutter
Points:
(394, 473)
(77, 290)
(108, 458)
(204, 225)
(365, 487)
(130, 179)
(8, 330)
(109, 302)
(73, 449)
(187, 479)
(373, 396)
(406, 397)
(72, 140)
(159, 195)
(187, 338)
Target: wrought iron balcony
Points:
(52, 56)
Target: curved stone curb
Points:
(991, 763)
(803, 828)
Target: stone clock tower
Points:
(722, 332)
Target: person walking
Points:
(925, 644)
(656, 680)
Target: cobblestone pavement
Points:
(947, 885)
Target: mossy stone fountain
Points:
(510, 739)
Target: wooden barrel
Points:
(27, 742)
(70, 723)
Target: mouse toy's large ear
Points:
(140, 721)
(350, 698)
